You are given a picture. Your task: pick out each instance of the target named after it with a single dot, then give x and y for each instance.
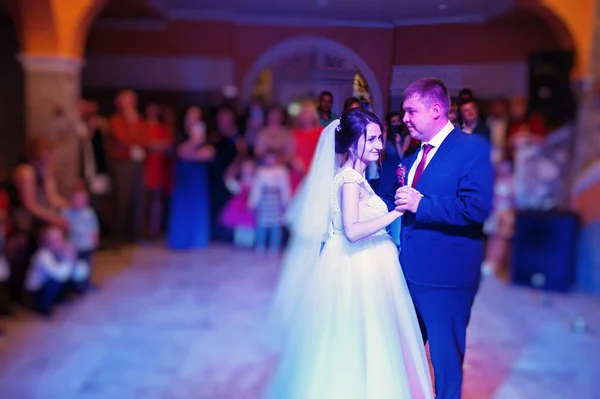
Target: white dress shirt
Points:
(45, 266)
(435, 142)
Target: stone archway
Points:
(572, 26)
(340, 53)
(52, 42)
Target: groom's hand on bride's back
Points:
(407, 199)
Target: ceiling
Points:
(131, 9)
(397, 12)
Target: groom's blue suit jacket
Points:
(442, 244)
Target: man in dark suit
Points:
(447, 198)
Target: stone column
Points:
(587, 140)
(52, 88)
(585, 188)
(585, 169)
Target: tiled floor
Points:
(187, 325)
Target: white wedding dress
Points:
(354, 334)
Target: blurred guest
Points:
(326, 116)
(352, 102)
(129, 138)
(92, 130)
(228, 144)
(275, 136)
(194, 125)
(498, 123)
(159, 141)
(34, 203)
(255, 121)
(453, 116)
(500, 225)
(54, 269)
(397, 140)
(269, 198)
(472, 121)
(306, 132)
(396, 144)
(169, 118)
(523, 126)
(237, 215)
(189, 220)
(464, 95)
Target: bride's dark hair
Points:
(353, 125)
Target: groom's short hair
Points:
(430, 90)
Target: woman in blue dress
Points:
(189, 222)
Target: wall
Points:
(178, 38)
(476, 49)
(183, 73)
(243, 44)
(508, 38)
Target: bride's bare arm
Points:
(354, 229)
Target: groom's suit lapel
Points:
(438, 158)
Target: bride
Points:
(350, 329)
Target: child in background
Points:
(500, 225)
(236, 214)
(84, 231)
(54, 270)
(269, 198)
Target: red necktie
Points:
(421, 165)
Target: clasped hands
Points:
(407, 199)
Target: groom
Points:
(442, 240)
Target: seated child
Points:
(54, 269)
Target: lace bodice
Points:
(368, 209)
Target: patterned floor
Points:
(186, 325)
